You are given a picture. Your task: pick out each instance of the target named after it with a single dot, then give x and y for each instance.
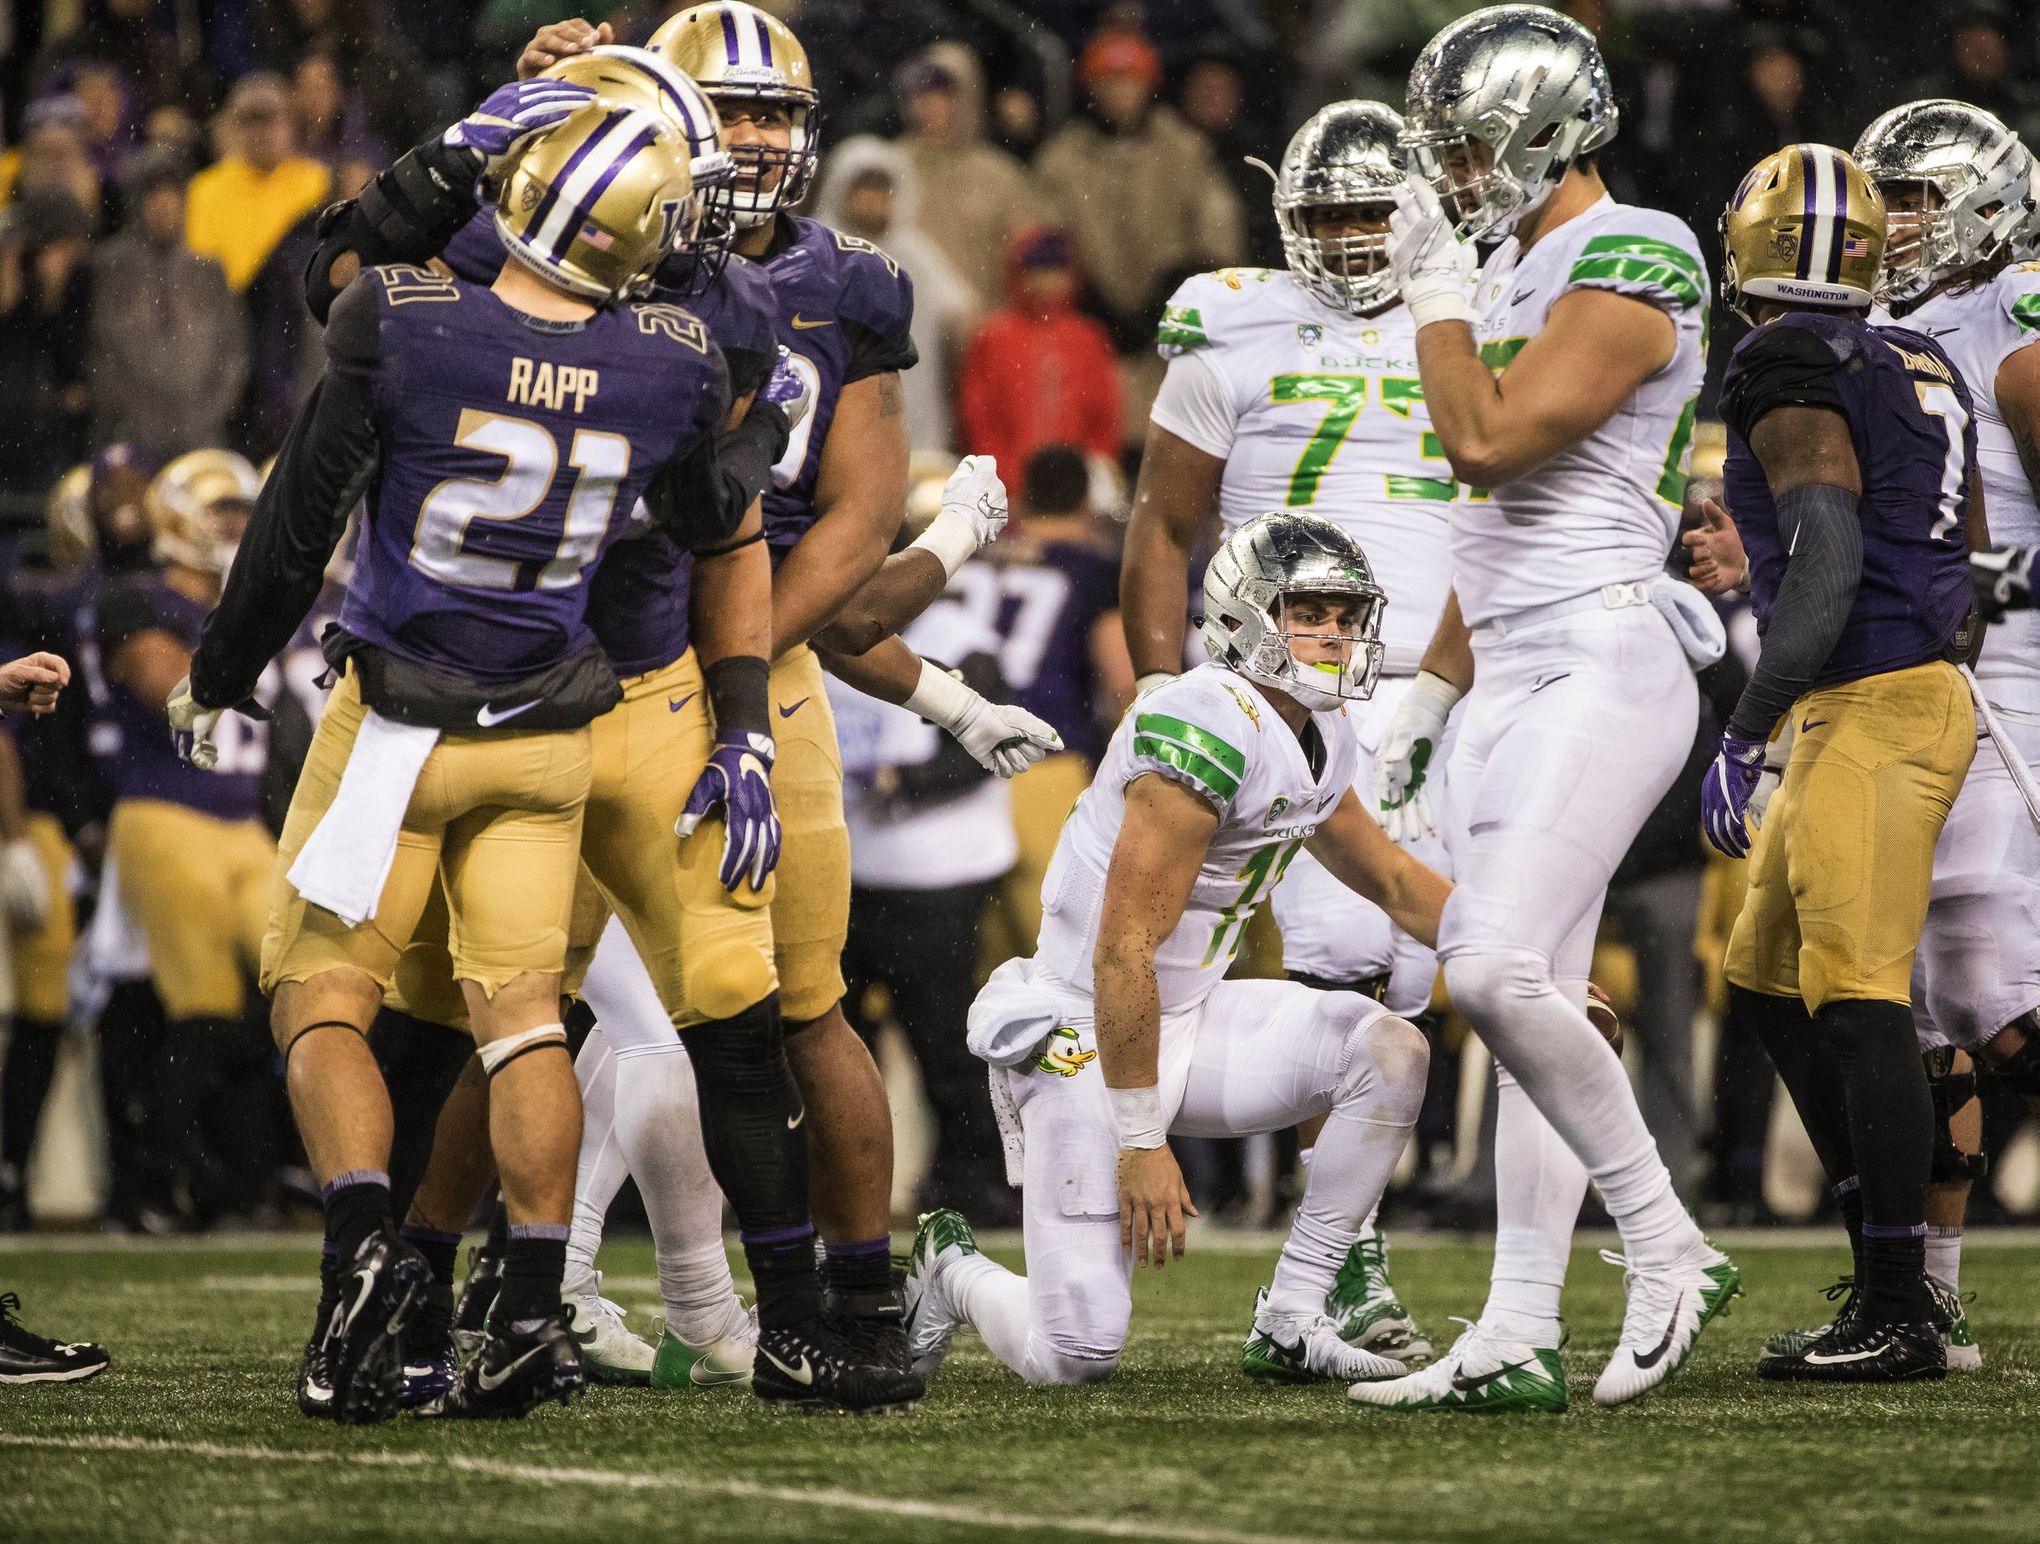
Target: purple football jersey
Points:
(1043, 607)
(1913, 426)
(513, 452)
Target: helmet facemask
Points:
(1349, 272)
(1290, 602)
(769, 177)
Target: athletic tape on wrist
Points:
(951, 539)
(1137, 1113)
(498, 1054)
(940, 698)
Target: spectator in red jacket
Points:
(1039, 372)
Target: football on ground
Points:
(192, 1434)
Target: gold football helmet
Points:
(594, 203)
(68, 520)
(739, 54)
(1806, 227)
(199, 505)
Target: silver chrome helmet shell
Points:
(1982, 174)
(1525, 81)
(1347, 153)
(1290, 552)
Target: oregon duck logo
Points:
(1062, 1054)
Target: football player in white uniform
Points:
(1568, 389)
(1299, 390)
(1121, 1029)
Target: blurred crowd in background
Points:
(1047, 171)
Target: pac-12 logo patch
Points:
(1309, 334)
(1277, 809)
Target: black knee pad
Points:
(1375, 987)
(743, 1055)
(1952, 1090)
(2022, 1069)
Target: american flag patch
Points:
(1855, 246)
(597, 237)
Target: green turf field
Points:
(193, 1435)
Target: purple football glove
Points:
(1725, 795)
(789, 388)
(513, 111)
(738, 782)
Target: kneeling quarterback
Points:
(1122, 1030)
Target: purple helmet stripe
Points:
(764, 42)
(552, 194)
(1841, 235)
(1806, 225)
(643, 138)
(729, 36)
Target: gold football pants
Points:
(198, 888)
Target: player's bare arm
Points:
(973, 513)
(1449, 654)
(733, 596)
(860, 493)
(1174, 499)
(1004, 739)
(1593, 351)
(1166, 833)
(1362, 858)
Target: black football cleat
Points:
(430, 1365)
(513, 1373)
(1860, 1351)
(477, 1297)
(823, 1365)
(364, 1341)
(26, 1357)
(876, 1322)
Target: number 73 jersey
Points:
(1311, 408)
(1212, 732)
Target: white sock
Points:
(1578, 1085)
(600, 1171)
(993, 1301)
(1944, 1256)
(1539, 1185)
(658, 1125)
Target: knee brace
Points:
(1952, 1090)
(729, 977)
(742, 1054)
(2021, 1069)
(1375, 987)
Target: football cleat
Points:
(430, 1365)
(514, 1372)
(315, 1373)
(1366, 1309)
(931, 1324)
(877, 1321)
(1304, 1348)
(1964, 1355)
(1668, 1308)
(363, 1345)
(1862, 1352)
(25, 1357)
(1790, 1344)
(1482, 1374)
(611, 1351)
(819, 1365)
(477, 1297)
(677, 1365)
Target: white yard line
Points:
(614, 1479)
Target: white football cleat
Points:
(720, 1364)
(1304, 1347)
(1668, 1307)
(932, 1324)
(1482, 1373)
(611, 1350)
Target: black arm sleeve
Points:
(748, 371)
(701, 498)
(406, 214)
(321, 473)
(1779, 366)
(1821, 531)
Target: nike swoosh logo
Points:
(1657, 1353)
(1548, 680)
(793, 1121)
(491, 1381)
(489, 717)
(789, 712)
(1941, 332)
(1811, 723)
(1467, 1385)
(675, 704)
(361, 1297)
(1518, 298)
(322, 1393)
(802, 324)
(1822, 1359)
(803, 1374)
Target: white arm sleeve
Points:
(1195, 406)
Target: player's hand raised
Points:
(1153, 1204)
(511, 113)
(1715, 561)
(1433, 267)
(561, 40)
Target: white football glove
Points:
(1409, 750)
(1433, 267)
(1151, 680)
(191, 727)
(1003, 739)
(24, 887)
(973, 513)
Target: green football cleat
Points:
(1482, 1374)
(610, 1350)
(677, 1366)
(1364, 1306)
(1300, 1348)
(931, 1324)
(1951, 1310)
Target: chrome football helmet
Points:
(1975, 167)
(1347, 153)
(1247, 586)
(1521, 85)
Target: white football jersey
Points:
(1211, 731)
(1311, 408)
(1605, 510)
(1979, 329)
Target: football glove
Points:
(191, 727)
(24, 887)
(511, 112)
(1403, 763)
(1433, 267)
(787, 389)
(1725, 795)
(738, 782)
(1003, 738)
(973, 513)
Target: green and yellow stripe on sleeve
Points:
(1204, 760)
(1182, 328)
(1643, 261)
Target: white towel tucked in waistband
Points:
(347, 858)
